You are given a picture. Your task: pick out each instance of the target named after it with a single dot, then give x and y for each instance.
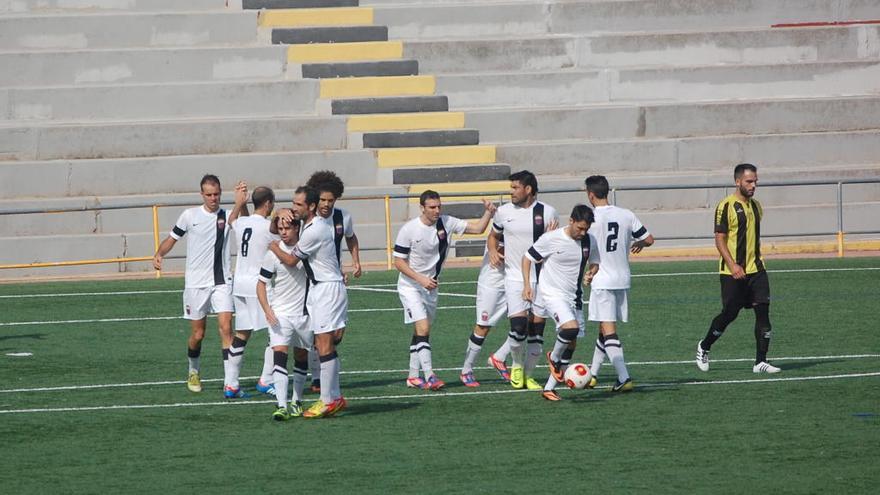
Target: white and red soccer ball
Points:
(577, 376)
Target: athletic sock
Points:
(328, 368)
(266, 377)
(300, 370)
(314, 364)
(535, 347)
(423, 349)
(502, 352)
(598, 355)
(516, 339)
(236, 356)
(195, 362)
(279, 377)
(475, 345)
(225, 367)
(615, 354)
(762, 332)
(337, 392)
(563, 338)
(413, 358)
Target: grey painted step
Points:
(689, 154)
(331, 34)
(123, 30)
(463, 210)
(469, 173)
(296, 4)
(182, 137)
(675, 84)
(160, 101)
(393, 104)
(152, 65)
(360, 69)
(772, 116)
(49, 6)
(553, 52)
(442, 137)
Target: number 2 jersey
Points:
(615, 229)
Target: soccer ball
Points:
(577, 375)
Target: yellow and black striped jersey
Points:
(741, 221)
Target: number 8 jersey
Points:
(615, 229)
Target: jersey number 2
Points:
(611, 239)
(245, 238)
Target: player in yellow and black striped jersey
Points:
(744, 282)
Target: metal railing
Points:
(389, 240)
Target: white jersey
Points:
(207, 247)
(425, 246)
(521, 228)
(490, 276)
(289, 296)
(615, 229)
(317, 251)
(343, 227)
(252, 238)
(564, 261)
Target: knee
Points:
(519, 326)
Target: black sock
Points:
(762, 332)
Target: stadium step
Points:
(355, 87)
(455, 174)
(61, 6)
(358, 69)
(345, 52)
(296, 4)
(407, 139)
(400, 104)
(405, 121)
(329, 16)
(329, 34)
(434, 155)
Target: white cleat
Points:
(703, 358)
(765, 367)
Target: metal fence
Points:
(502, 194)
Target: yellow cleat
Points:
(626, 386)
(194, 382)
(517, 377)
(317, 410)
(531, 384)
(593, 382)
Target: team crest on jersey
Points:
(484, 316)
(441, 234)
(187, 309)
(586, 252)
(221, 223)
(539, 220)
(338, 229)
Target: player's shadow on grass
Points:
(378, 382)
(357, 408)
(799, 365)
(32, 336)
(603, 395)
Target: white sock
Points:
(534, 349)
(299, 381)
(503, 351)
(337, 392)
(279, 377)
(329, 375)
(194, 363)
(425, 360)
(236, 357)
(516, 352)
(598, 358)
(225, 367)
(268, 366)
(475, 345)
(551, 383)
(314, 364)
(615, 354)
(558, 348)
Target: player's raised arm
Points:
(240, 199)
(479, 226)
(286, 258)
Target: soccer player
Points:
(330, 188)
(520, 222)
(419, 253)
(744, 282)
(564, 254)
(252, 237)
(207, 279)
(288, 321)
(326, 300)
(618, 232)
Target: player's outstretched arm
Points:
(479, 226)
(354, 248)
(285, 257)
(164, 249)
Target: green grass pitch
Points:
(99, 406)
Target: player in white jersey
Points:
(491, 306)
(326, 300)
(419, 253)
(330, 188)
(521, 222)
(564, 254)
(252, 238)
(618, 232)
(288, 321)
(207, 279)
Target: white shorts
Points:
(609, 305)
(513, 292)
(200, 301)
(418, 303)
(292, 331)
(327, 303)
(249, 314)
(491, 304)
(561, 311)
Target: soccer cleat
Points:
(416, 382)
(316, 387)
(194, 381)
(551, 395)
(531, 384)
(517, 377)
(435, 383)
(281, 414)
(468, 380)
(703, 357)
(337, 406)
(296, 409)
(593, 382)
(234, 393)
(317, 410)
(626, 386)
(500, 367)
(555, 370)
(265, 388)
(765, 367)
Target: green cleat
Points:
(517, 377)
(626, 386)
(296, 409)
(281, 414)
(531, 384)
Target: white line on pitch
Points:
(374, 289)
(430, 395)
(391, 371)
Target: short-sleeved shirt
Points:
(521, 228)
(316, 249)
(343, 228)
(741, 221)
(289, 295)
(615, 229)
(564, 260)
(425, 246)
(252, 238)
(207, 247)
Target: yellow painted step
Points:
(333, 16)
(406, 121)
(345, 52)
(435, 155)
(502, 187)
(354, 87)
